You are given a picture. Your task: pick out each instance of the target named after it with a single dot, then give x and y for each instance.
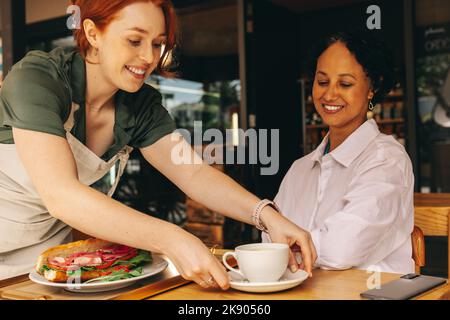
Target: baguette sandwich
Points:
(91, 260)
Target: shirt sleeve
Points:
(281, 198)
(33, 99)
(376, 219)
(153, 122)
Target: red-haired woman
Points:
(66, 118)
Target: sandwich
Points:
(91, 260)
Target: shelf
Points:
(391, 121)
(380, 122)
(395, 95)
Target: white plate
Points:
(158, 265)
(287, 281)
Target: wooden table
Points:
(324, 285)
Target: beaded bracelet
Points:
(257, 211)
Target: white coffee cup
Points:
(260, 262)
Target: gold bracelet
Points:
(257, 212)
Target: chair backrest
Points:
(432, 199)
(431, 221)
(418, 248)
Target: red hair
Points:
(102, 13)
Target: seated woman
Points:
(354, 193)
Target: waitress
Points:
(67, 118)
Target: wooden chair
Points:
(418, 248)
(431, 218)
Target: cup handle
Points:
(224, 259)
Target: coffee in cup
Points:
(260, 262)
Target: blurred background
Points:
(241, 65)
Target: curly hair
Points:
(371, 53)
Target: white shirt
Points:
(357, 202)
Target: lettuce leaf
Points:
(44, 268)
(78, 271)
(142, 257)
(118, 275)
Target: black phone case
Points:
(407, 287)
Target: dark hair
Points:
(371, 53)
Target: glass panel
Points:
(433, 114)
(1, 62)
(68, 43)
(188, 101)
(433, 94)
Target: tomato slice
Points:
(130, 256)
(105, 265)
(108, 264)
(118, 268)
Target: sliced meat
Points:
(87, 261)
(101, 259)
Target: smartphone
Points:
(407, 287)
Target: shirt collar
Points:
(125, 117)
(78, 79)
(318, 153)
(352, 147)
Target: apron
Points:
(26, 227)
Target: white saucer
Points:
(287, 281)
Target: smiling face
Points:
(341, 90)
(130, 48)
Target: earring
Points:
(371, 106)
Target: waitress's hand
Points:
(195, 262)
(282, 230)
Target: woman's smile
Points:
(137, 72)
(332, 108)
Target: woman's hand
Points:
(195, 262)
(284, 231)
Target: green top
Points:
(38, 93)
(327, 147)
